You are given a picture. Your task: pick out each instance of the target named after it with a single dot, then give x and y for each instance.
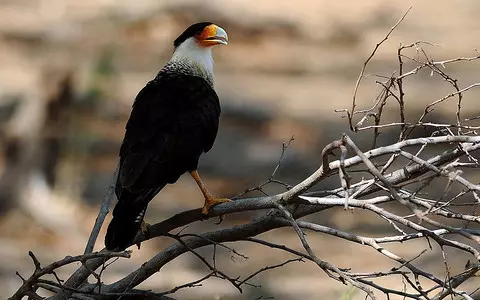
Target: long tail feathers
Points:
(127, 220)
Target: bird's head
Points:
(194, 46)
(204, 35)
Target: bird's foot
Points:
(211, 202)
(145, 228)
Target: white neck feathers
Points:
(191, 53)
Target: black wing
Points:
(173, 121)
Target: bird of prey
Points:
(174, 120)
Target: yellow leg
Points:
(210, 201)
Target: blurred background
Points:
(69, 71)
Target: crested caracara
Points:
(174, 120)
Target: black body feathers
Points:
(173, 121)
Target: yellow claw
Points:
(211, 202)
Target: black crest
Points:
(191, 31)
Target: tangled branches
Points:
(385, 181)
(286, 208)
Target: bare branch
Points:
(102, 214)
(39, 272)
(362, 72)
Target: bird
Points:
(174, 120)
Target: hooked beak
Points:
(213, 35)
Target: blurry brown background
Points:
(69, 71)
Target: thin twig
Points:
(362, 72)
(102, 214)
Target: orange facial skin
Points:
(209, 36)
